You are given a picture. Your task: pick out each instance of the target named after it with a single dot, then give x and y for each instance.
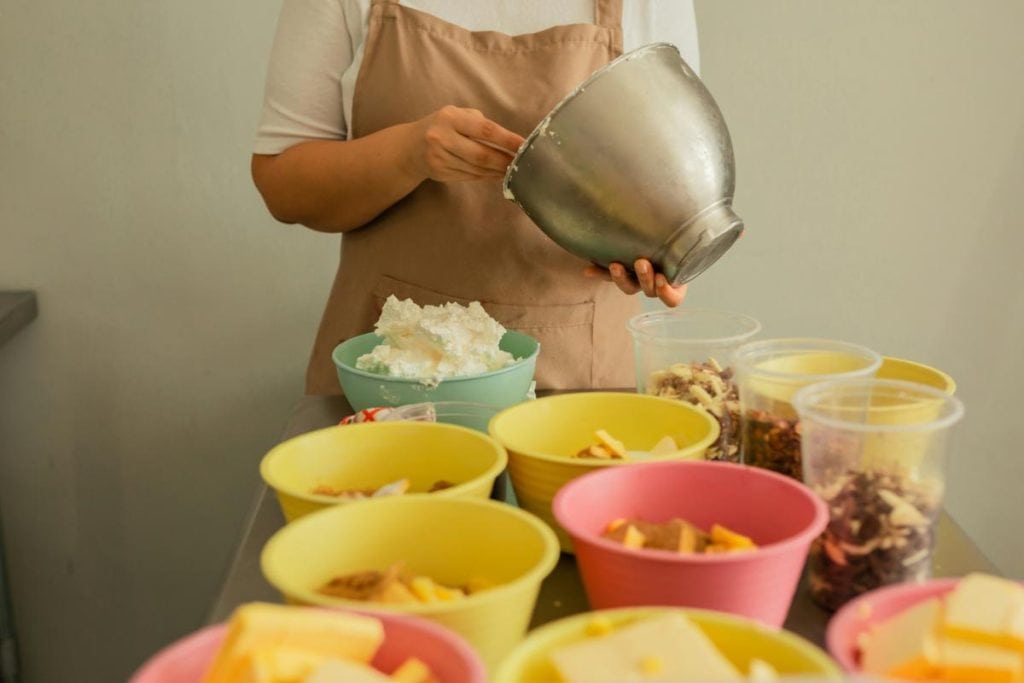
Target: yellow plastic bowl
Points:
(365, 456)
(909, 371)
(542, 435)
(739, 640)
(449, 540)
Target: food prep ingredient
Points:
(610, 448)
(881, 531)
(772, 443)
(972, 634)
(677, 536)
(669, 647)
(278, 644)
(433, 343)
(395, 585)
(394, 488)
(711, 387)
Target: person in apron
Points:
(416, 190)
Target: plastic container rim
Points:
(637, 322)
(752, 353)
(804, 399)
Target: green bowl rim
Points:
(276, 452)
(537, 573)
(448, 380)
(587, 463)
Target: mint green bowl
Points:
(499, 388)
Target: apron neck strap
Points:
(608, 13)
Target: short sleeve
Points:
(302, 98)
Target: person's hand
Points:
(652, 284)
(454, 144)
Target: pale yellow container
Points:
(919, 409)
(542, 436)
(909, 371)
(449, 540)
(739, 640)
(368, 455)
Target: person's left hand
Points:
(646, 280)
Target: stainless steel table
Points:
(562, 592)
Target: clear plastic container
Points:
(463, 413)
(770, 372)
(875, 451)
(689, 355)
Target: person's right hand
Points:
(447, 146)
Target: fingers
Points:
(645, 276)
(474, 124)
(622, 279)
(458, 169)
(670, 295)
(651, 283)
(488, 160)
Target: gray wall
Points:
(880, 149)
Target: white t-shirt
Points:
(318, 49)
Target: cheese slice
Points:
(668, 647)
(340, 671)
(261, 627)
(905, 646)
(972, 662)
(986, 609)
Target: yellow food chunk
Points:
(971, 662)
(761, 672)
(986, 609)
(340, 671)
(599, 626)
(652, 666)
(614, 446)
(685, 652)
(665, 446)
(634, 538)
(413, 670)
(395, 593)
(258, 627)
(616, 523)
(730, 539)
(906, 645)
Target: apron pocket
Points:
(565, 331)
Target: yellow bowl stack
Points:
(452, 541)
(542, 436)
(369, 455)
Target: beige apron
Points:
(463, 241)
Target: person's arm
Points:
(336, 186)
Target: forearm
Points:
(336, 186)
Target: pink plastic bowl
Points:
(781, 515)
(860, 614)
(450, 658)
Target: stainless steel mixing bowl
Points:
(637, 162)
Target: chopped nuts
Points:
(772, 443)
(880, 532)
(711, 387)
